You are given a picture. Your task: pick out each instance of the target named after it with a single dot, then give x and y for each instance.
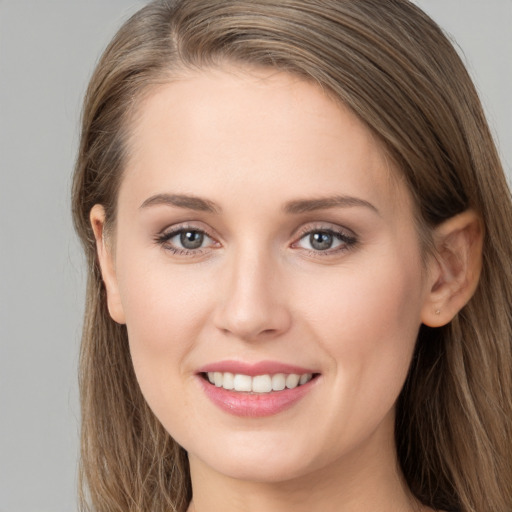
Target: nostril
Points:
(253, 323)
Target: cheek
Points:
(162, 302)
(165, 310)
(368, 324)
(376, 308)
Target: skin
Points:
(257, 290)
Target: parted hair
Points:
(395, 69)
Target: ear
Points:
(455, 268)
(107, 266)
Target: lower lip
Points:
(255, 404)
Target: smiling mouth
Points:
(258, 383)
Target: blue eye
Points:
(191, 239)
(325, 240)
(184, 240)
(321, 241)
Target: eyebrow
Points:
(293, 207)
(310, 205)
(182, 201)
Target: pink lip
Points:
(254, 404)
(252, 369)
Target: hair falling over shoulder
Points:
(392, 66)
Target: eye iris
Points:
(191, 239)
(321, 240)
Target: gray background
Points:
(47, 52)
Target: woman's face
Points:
(262, 236)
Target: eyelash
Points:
(346, 238)
(164, 238)
(347, 241)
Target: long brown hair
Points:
(392, 65)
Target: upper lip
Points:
(252, 369)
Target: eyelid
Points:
(165, 235)
(181, 226)
(323, 226)
(348, 238)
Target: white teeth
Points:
(258, 383)
(262, 384)
(292, 380)
(242, 382)
(278, 381)
(229, 381)
(305, 378)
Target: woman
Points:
(298, 235)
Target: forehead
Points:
(211, 130)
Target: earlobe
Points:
(455, 269)
(106, 262)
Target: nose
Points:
(252, 303)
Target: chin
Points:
(258, 457)
(261, 470)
